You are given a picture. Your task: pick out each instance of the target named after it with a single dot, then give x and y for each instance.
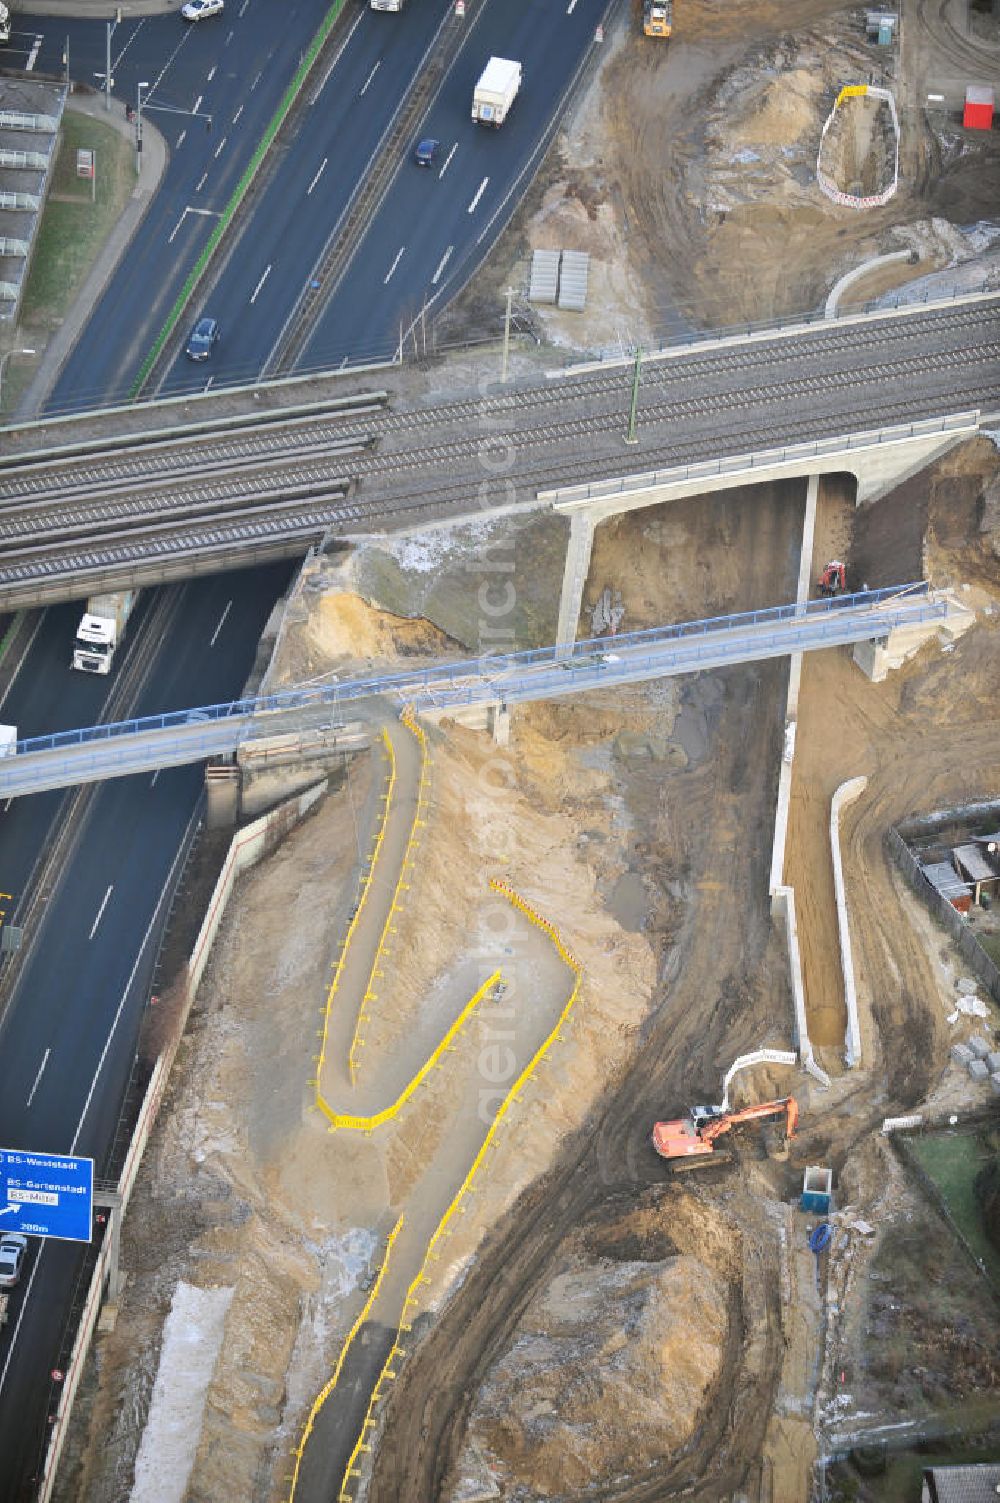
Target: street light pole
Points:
(138, 125)
(107, 58)
(3, 361)
(506, 337)
(631, 436)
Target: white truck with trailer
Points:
(496, 91)
(101, 629)
(387, 4)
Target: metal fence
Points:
(969, 947)
(468, 678)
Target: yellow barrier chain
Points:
(368, 1124)
(851, 91)
(365, 890)
(410, 1302)
(395, 906)
(326, 1391)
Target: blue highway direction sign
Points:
(46, 1194)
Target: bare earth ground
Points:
(640, 822)
(688, 173)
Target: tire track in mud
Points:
(723, 951)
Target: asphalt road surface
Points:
(435, 224)
(349, 103)
(232, 69)
(69, 1038)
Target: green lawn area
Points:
(73, 230)
(953, 1160)
(72, 233)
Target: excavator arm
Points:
(787, 1107)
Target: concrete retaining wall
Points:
(248, 847)
(783, 897)
(845, 795)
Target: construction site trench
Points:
(592, 1326)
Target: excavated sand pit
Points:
(858, 154)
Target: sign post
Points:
(46, 1194)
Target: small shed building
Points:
(975, 865)
(943, 877)
(962, 1484)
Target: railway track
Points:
(295, 480)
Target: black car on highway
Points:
(202, 339)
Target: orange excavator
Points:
(689, 1142)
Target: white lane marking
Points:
(211, 74)
(152, 781)
(180, 138)
(242, 10)
(8, 804)
(229, 38)
(571, 7)
(41, 1067)
(441, 265)
(197, 104)
(32, 55)
(479, 193)
(100, 911)
(208, 384)
(336, 59)
(447, 160)
(260, 284)
(173, 232)
(392, 268)
(201, 182)
(370, 77)
(24, 1306)
(256, 82)
(159, 77)
(238, 113)
(225, 613)
(221, 144)
(107, 1045)
(86, 1107)
(319, 174)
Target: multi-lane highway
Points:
(168, 508)
(231, 72)
(211, 88)
(69, 1039)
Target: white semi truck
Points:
(4, 23)
(101, 629)
(496, 91)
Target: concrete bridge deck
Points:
(194, 735)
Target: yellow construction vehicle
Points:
(657, 17)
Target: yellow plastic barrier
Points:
(368, 1124)
(410, 1303)
(326, 1391)
(401, 885)
(365, 890)
(851, 91)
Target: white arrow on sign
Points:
(6, 1210)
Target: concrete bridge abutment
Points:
(879, 461)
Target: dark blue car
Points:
(426, 153)
(203, 339)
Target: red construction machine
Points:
(833, 580)
(689, 1142)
